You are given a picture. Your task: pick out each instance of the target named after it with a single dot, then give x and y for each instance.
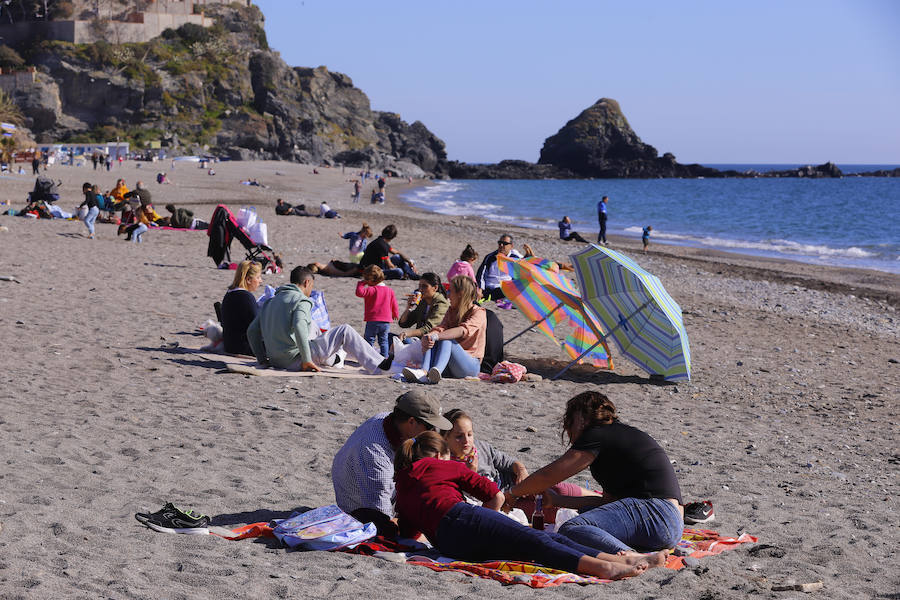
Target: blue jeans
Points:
(137, 234)
(91, 218)
(377, 331)
(449, 355)
(627, 524)
(475, 533)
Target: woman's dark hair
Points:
(389, 232)
(425, 444)
(468, 253)
(434, 280)
(594, 407)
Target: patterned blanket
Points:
(696, 543)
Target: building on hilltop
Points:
(109, 21)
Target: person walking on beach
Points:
(362, 471)
(645, 237)
(357, 188)
(601, 218)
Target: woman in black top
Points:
(239, 307)
(640, 508)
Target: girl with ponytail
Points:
(429, 500)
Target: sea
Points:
(850, 222)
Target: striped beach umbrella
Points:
(553, 305)
(635, 310)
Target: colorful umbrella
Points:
(553, 305)
(636, 310)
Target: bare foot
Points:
(620, 571)
(608, 569)
(651, 559)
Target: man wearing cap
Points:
(363, 469)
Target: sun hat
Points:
(425, 407)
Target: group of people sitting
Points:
(137, 212)
(410, 472)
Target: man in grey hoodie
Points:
(281, 334)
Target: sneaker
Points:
(413, 375)
(699, 512)
(172, 520)
(434, 375)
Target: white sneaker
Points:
(413, 375)
(434, 376)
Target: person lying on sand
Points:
(283, 335)
(370, 451)
(335, 268)
(429, 500)
(284, 208)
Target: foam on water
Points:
(838, 222)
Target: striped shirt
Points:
(363, 469)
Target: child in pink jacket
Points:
(380, 307)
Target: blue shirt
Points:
(646, 234)
(357, 242)
(601, 207)
(564, 229)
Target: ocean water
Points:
(853, 221)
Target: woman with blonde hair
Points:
(239, 307)
(456, 346)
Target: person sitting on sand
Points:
(430, 501)
(489, 276)
(428, 311)
(566, 234)
(282, 334)
(641, 507)
(118, 194)
(358, 241)
(325, 212)
(496, 465)
(362, 471)
(239, 307)
(456, 346)
(464, 265)
(283, 208)
(140, 193)
(335, 268)
(394, 264)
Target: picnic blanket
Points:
(696, 543)
(248, 366)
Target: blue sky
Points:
(710, 81)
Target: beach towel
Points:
(247, 365)
(696, 543)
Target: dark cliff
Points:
(218, 89)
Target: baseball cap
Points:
(422, 405)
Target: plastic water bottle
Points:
(537, 519)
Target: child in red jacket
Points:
(429, 500)
(380, 307)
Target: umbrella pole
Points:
(609, 333)
(533, 325)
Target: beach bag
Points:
(507, 372)
(325, 528)
(246, 217)
(319, 313)
(259, 233)
(493, 346)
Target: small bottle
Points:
(416, 298)
(537, 519)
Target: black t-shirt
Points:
(629, 463)
(238, 311)
(375, 253)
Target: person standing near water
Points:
(601, 218)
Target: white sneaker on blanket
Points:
(413, 375)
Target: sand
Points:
(789, 425)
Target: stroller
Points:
(45, 190)
(223, 227)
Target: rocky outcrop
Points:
(223, 91)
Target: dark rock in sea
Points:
(879, 173)
(828, 169)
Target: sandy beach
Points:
(789, 424)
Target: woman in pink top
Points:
(456, 346)
(380, 307)
(464, 265)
